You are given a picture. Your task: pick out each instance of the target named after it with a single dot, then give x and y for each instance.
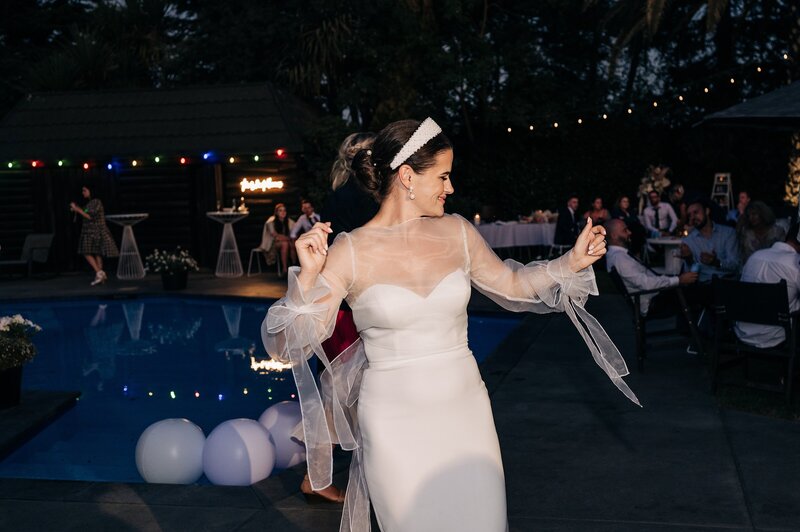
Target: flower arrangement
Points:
(16, 347)
(655, 178)
(162, 261)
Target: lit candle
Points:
(476, 219)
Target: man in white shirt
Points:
(637, 276)
(659, 218)
(770, 265)
(306, 220)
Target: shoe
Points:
(99, 278)
(691, 349)
(329, 495)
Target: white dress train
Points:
(408, 398)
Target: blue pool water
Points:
(141, 360)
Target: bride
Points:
(407, 397)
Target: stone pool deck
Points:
(578, 456)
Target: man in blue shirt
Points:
(711, 246)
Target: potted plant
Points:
(173, 266)
(16, 349)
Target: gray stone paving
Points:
(578, 456)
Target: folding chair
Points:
(640, 320)
(759, 303)
(35, 249)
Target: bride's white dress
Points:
(408, 397)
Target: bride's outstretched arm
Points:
(563, 284)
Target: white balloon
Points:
(280, 420)
(238, 452)
(170, 451)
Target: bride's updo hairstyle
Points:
(372, 166)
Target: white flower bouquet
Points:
(16, 346)
(169, 262)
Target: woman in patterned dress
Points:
(95, 240)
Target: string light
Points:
(150, 394)
(197, 394)
(655, 104)
(11, 165)
(580, 120)
(680, 98)
(60, 163)
(232, 159)
(34, 163)
(733, 81)
(245, 392)
(183, 160)
(85, 166)
(555, 124)
(705, 89)
(206, 155)
(280, 152)
(508, 130)
(605, 116)
(134, 163)
(530, 127)
(157, 159)
(630, 111)
(758, 69)
(172, 394)
(255, 158)
(786, 56)
(109, 166)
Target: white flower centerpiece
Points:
(655, 178)
(16, 348)
(173, 266)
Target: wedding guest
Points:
(568, 225)
(676, 195)
(622, 211)
(306, 220)
(741, 205)
(637, 276)
(771, 265)
(279, 227)
(659, 218)
(597, 213)
(710, 245)
(757, 229)
(95, 241)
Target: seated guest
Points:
(597, 213)
(659, 218)
(770, 266)
(677, 199)
(757, 229)
(306, 220)
(741, 205)
(568, 226)
(637, 276)
(622, 211)
(712, 246)
(278, 242)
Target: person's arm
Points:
(302, 225)
(637, 278)
(74, 208)
(563, 284)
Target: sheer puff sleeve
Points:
(292, 332)
(544, 286)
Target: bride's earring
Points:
(411, 194)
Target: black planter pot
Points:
(174, 281)
(10, 386)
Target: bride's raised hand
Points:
(312, 249)
(589, 247)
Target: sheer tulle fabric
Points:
(415, 256)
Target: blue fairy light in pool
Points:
(220, 397)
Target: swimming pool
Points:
(137, 361)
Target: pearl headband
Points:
(425, 132)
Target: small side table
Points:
(130, 262)
(672, 253)
(229, 264)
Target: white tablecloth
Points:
(514, 234)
